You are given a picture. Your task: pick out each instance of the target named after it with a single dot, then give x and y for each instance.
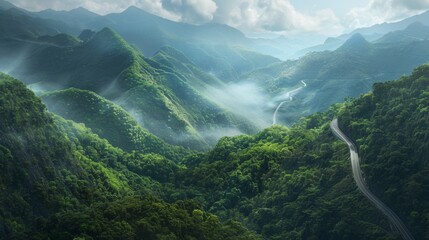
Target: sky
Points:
(286, 17)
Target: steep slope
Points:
(297, 183)
(164, 100)
(333, 76)
(41, 169)
(212, 47)
(93, 65)
(108, 120)
(60, 181)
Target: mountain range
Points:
(349, 71)
(372, 33)
(59, 179)
(131, 126)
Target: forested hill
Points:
(60, 181)
(297, 183)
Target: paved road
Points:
(289, 96)
(357, 175)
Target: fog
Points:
(211, 136)
(244, 99)
(252, 102)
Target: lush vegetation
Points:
(296, 183)
(94, 172)
(109, 121)
(162, 93)
(61, 181)
(349, 71)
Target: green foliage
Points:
(109, 121)
(395, 118)
(296, 183)
(142, 217)
(61, 181)
(349, 71)
(162, 93)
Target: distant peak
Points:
(108, 37)
(357, 37)
(79, 9)
(416, 26)
(82, 10)
(133, 9)
(356, 41)
(107, 32)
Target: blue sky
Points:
(286, 17)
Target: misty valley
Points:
(138, 124)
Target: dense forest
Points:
(60, 180)
(296, 183)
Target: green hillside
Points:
(212, 47)
(296, 183)
(332, 76)
(284, 183)
(107, 120)
(60, 181)
(131, 126)
(161, 93)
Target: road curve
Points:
(357, 175)
(288, 95)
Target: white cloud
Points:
(247, 15)
(379, 11)
(274, 15)
(191, 11)
(156, 7)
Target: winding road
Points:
(288, 95)
(357, 175)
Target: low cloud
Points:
(380, 11)
(244, 99)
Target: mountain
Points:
(372, 34)
(384, 28)
(212, 47)
(107, 120)
(414, 32)
(78, 16)
(330, 44)
(332, 76)
(296, 183)
(356, 43)
(55, 174)
(282, 183)
(16, 23)
(164, 100)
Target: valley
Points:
(135, 124)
